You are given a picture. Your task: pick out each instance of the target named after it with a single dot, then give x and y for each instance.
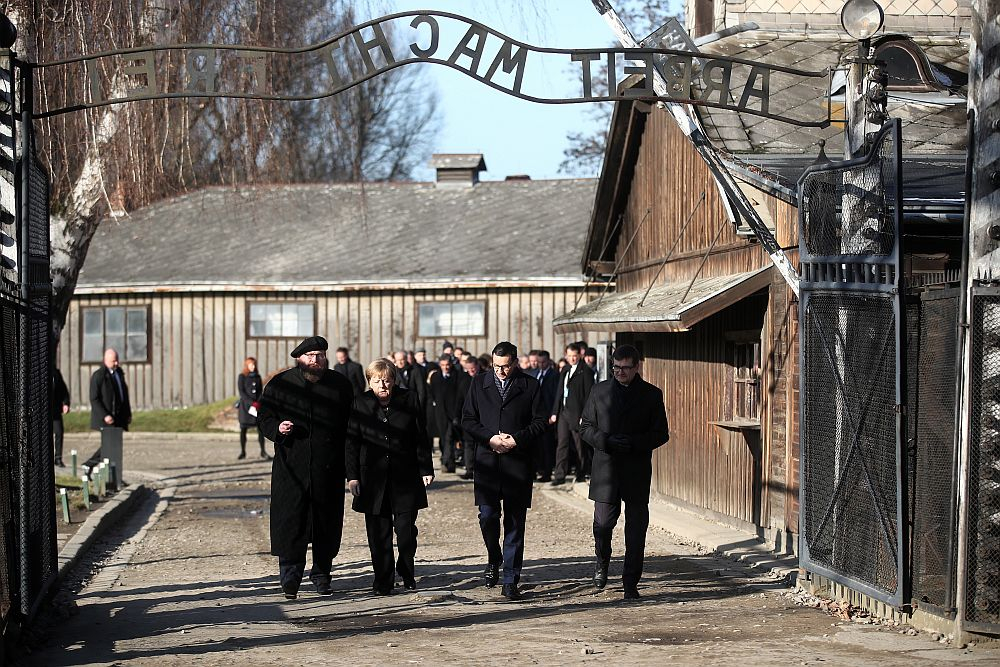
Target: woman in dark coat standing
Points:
(388, 458)
(250, 387)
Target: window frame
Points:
(122, 353)
(452, 302)
(250, 304)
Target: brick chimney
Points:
(458, 169)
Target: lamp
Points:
(861, 18)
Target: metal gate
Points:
(852, 491)
(27, 487)
(982, 598)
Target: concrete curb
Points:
(95, 436)
(96, 525)
(729, 542)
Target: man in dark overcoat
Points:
(503, 412)
(575, 383)
(351, 369)
(443, 389)
(624, 420)
(470, 368)
(548, 379)
(109, 401)
(60, 406)
(304, 411)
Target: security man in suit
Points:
(548, 379)
(624, 420)
(109, 401)
(504, 413)
(575, 383)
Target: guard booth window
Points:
(123, 328)
(745, 387)
(450, 318)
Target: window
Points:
(282, 320)
(446, 318)
(746, 380)
(124, 328)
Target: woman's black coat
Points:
(250, 387)
(389, 453)
(307, 475)
(637, 414)
(522, 415)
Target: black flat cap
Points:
(311, 344)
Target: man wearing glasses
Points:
(504, 410)
(624, 420)
(304, 411)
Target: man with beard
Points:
(504, 411)
(304, 411)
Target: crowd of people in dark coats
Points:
(508, 420)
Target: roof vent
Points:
(518, 177)
(458, 169)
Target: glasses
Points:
(505, 367)
(620, 369)
(314, 355)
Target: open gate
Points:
(852, 467)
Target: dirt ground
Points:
(187, 580)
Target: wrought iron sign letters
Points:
(442, 38)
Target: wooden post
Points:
(64, 501)
(86, 491)
(981, 262)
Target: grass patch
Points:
(181, 420)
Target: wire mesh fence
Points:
(932, 414)
(982, 599)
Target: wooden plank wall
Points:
(198, 342)
(705, 465)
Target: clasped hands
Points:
(619, 443)
(502, 443)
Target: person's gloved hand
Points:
(619, 443)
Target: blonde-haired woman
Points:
(388, 466)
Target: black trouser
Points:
(512, 555)
(636, 522)
(469, 456)
(291, 567)
(545, 452)
(569, 437)
(447, 445)
(243, 439)
(380, 528)
(57, 439)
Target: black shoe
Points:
(466, 475)
(410, 584)
(265, 456)
(631, 593)
(491, 575)
(558, 481)
(511, 592)
(58, 463)
(601, 575)
(242, 456)
(544, 479)
(581, 478)
(291, 591)
(377, 590)
(323, 587)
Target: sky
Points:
(515, 136)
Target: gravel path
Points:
(193, 584)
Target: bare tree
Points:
(122, 157)
(586, 147)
